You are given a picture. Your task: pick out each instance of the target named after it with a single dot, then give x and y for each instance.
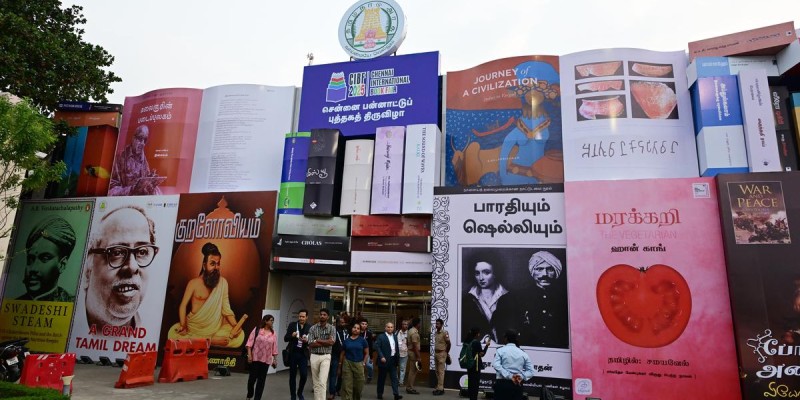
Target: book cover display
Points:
(758, 121)
(759, 215)
(124, 276)
(787, 144)
(508, 244)
(503, 123)
(648, 294)
(156, 144)
(718, 125)
(42, 272)
(626, 114)
(216, 287)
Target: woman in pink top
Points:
(262, 349)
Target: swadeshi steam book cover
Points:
(503, 123)
(759, 217)
(648, 293)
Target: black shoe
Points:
(380, 397)
(411, 391)
(397, 397)
(438, 392)
(369, 380)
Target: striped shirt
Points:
(318, 332)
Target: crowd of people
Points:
(343, 356)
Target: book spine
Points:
(86, 106)
(312, 243)
(357, 177)
(718, 125)
(411, 244)
(421, 168)
(759, 122)
(787, 146)
(390, 225)
(323, 173)
(293, 174)
(387, 176)
(290, 224)
(761, 41)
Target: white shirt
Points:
(402, 340)
(391, 344)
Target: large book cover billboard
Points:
(42, 273)
(240, 138)
(499, 263)
(359, 96)
(759, 225)
(124, 276)
(648, 294)
(503, 123)
(156, 143)
(216, 287)
(627, 114)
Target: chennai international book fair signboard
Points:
(43, 270)
(507, 244)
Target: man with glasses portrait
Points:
(115, 277)
(211, 315)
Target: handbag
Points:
(285, 356)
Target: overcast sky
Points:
(181, 43)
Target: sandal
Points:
(412, 391)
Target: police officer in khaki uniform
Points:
(441, 346)
(413, 356)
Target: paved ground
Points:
(97, 383)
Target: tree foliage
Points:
(44, 58)
(24, 134)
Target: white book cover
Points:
(357, 177)
(626, 114)
(759, 123)
(240, 138)
(421, 172)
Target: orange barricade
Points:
(46, 370)
(138, 370)
(184, 360)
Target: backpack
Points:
(466, 359)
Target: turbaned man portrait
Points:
(211, 315)
(47, 251)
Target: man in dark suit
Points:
(388, 358)
(297, 337)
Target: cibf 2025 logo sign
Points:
(372, 29)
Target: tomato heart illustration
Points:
(644, 307)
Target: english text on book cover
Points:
(156, 143)
(503, 123)
(217, 283)
(124, 276)
(759, 214)
(627, 114)
(42, 272)
(499, 263)
(649, 310)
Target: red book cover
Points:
(763, 41)
(390, 225)
(649, 310)
(98, 157)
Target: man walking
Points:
(413, 355)
(402, 341)
(388, 358)
(320, 340)
(370, 338)
(513, 367)
(297, 337)
(441, 345)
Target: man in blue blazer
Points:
(388, 359)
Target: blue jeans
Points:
(333, 384)
(369, 367)
(402, 366)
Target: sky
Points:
(198, 44)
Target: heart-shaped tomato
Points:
(644, 307)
